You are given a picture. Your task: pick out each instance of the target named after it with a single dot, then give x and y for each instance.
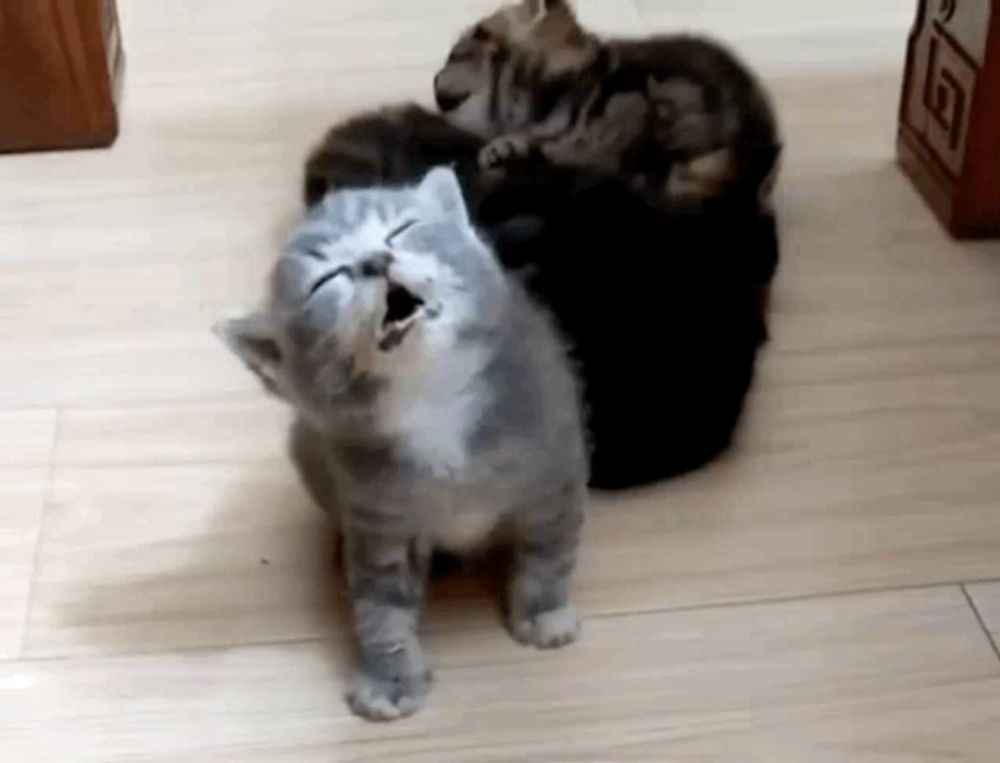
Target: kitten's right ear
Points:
(252, 338)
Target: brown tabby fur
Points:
(678, 116)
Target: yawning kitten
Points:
(434, 408)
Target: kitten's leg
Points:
(600, 143)
(583, 147)
(546, 539)
(387, 576)
(681, 119)
(700, 178)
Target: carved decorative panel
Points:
(948, 56)
(950, 114)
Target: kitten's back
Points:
(391, 146)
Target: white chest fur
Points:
(462, 528)
(432, 413)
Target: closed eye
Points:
(343, 270)
(398, 231)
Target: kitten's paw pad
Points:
(501, 151)
(387, 700)
(548, 630)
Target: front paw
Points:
(377, 698)
(547, 630)
(390, 687)
(503, 150)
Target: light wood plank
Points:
(986, 597)
(26, 445)
(179, 555)
(120, 368)
(777, 36)
(153, 556)
(258, 18)
(27, 436)
(22, 493)
(780, 16)
(227, 431)
(888, 677)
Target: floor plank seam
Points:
(84, 656)
(792, 598)
(167, 463)
(982, 622)
(47, 489)
(139, 404)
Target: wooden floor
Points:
(166, 591)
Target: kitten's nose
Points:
(376, 266)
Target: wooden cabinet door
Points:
(60, 73)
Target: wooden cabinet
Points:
(61, 67)
(949, 132)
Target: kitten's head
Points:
(376, 285)
(503, 69)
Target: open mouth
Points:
(401, 310)
(400, 304)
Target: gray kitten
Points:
(435, 410)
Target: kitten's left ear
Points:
(253, 340)
(440, 193)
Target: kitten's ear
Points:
(440, 193)
(253, 340)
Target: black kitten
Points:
(665, 312)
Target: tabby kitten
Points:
(664, 312)
(434, 408)
(678, 116)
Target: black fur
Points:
(392, 146)
(665, 313)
